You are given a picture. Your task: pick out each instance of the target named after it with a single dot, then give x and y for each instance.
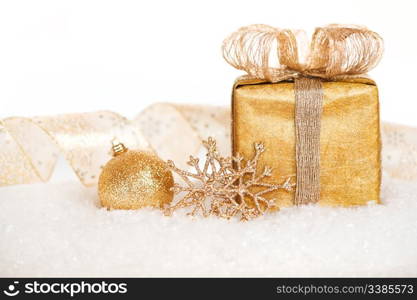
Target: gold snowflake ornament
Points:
(225, 187)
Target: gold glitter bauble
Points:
(134, 179)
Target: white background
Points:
(76, 56)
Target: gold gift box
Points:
(350, 144)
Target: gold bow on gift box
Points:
(274, 54)
(336, 53)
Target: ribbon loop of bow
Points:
(273, 54)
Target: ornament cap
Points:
(118, 148)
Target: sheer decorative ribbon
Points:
(30, 147)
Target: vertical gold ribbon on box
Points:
(335, 53)
(308, 109)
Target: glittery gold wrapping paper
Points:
(350, 145)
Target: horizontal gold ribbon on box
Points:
(30, 147)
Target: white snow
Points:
(58, 229)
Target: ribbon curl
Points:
(31, 147)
